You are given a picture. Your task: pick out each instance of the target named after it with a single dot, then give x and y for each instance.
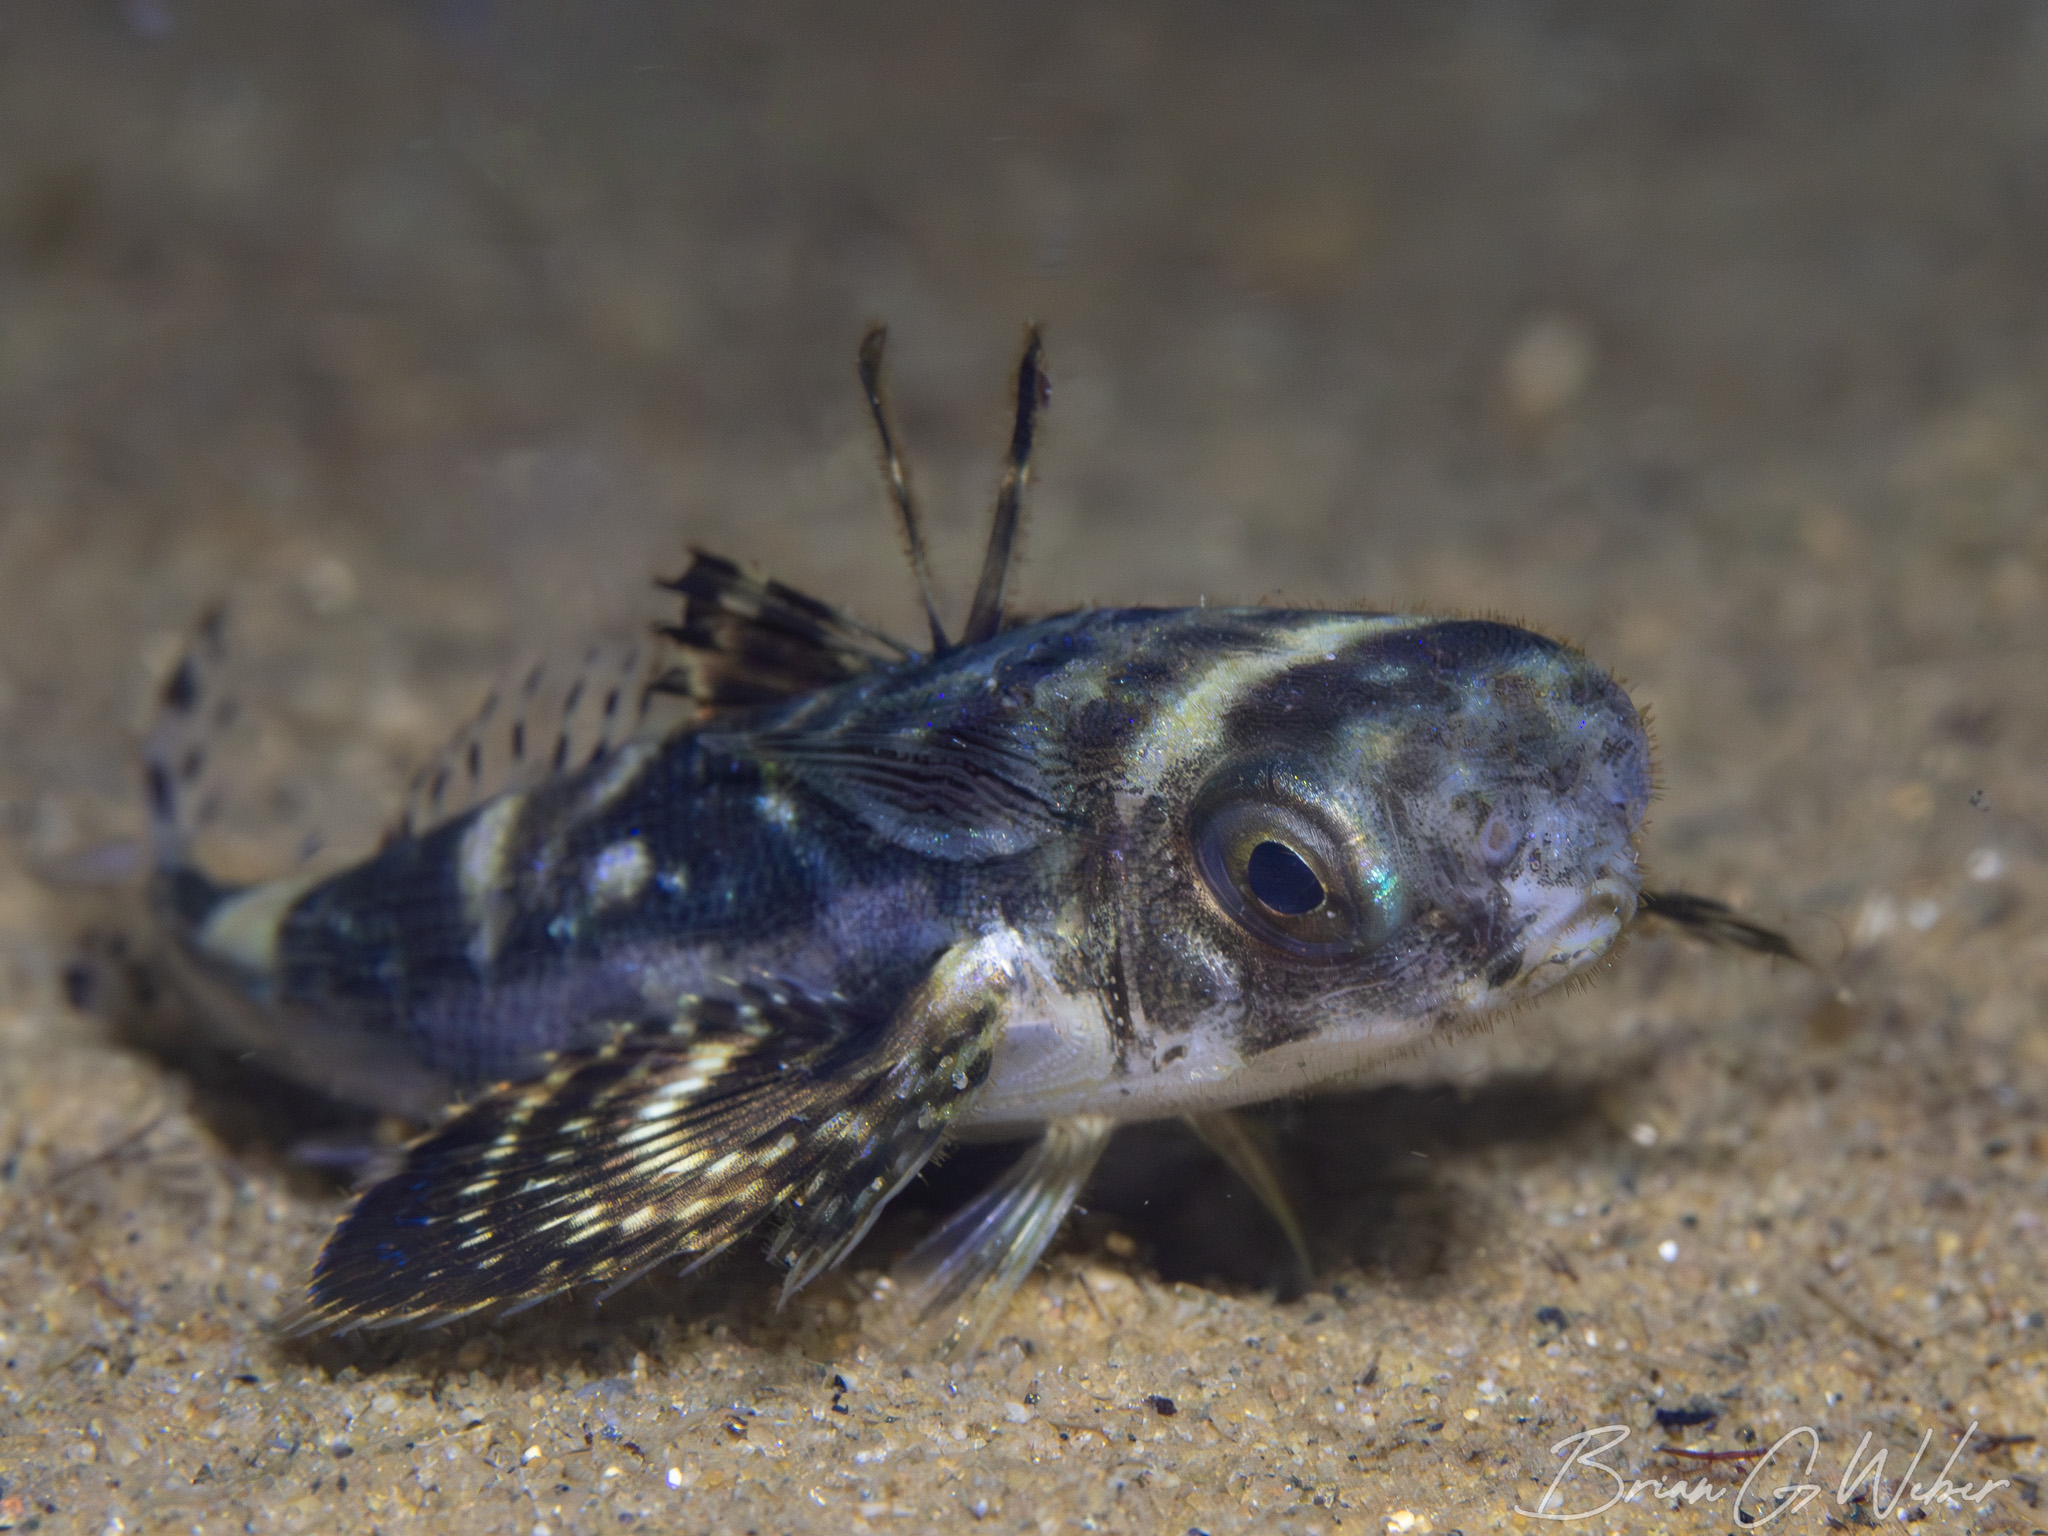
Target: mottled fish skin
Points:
(1058, 769)
(760, 966)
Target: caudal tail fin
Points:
(193, 709)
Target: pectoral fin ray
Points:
(663, 1144)
(963, 796)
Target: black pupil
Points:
(1281, 881)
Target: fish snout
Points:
(1574, 928)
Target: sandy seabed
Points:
(1715, 339)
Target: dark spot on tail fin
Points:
(163, 793)
(187, 896)
(182, 691)
(746, 641)
(1715, 922)
(192, 708)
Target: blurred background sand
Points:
(1714, 338)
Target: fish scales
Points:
(758, 967)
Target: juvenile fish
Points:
(1036, 880)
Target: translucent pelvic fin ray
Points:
(1243, 1149)
(954, 1285)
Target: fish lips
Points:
(1567, 928)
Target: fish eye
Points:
(1280, 880)
(1288, 879)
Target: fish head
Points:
(1390, 825)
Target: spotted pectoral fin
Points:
(745, 641)
(965, 793)
(952, 1288)
(661, 1145)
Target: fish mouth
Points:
(1575, 929)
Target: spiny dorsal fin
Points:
(748, 641)
(1034, 393)
(548, 716)
(661, 1145)
(743, 641)
(988, 616)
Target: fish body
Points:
(759, 967)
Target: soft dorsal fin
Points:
(548, 716)
(746, 641)
(743, 641)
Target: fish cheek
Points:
(1209, 970)
(1166, 953)
(1188, 964)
